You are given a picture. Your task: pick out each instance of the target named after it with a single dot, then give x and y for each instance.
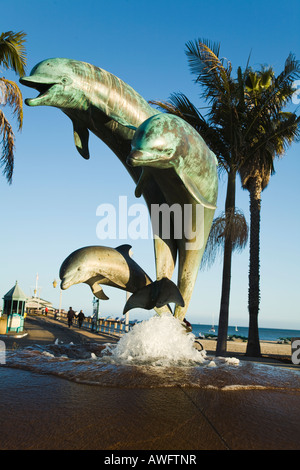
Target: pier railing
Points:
(111, 326)
(107, 325)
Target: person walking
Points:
(80, 317)
(70, 316)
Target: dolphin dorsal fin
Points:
(81, 139)
(125, 250)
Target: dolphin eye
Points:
(66, 80)
(79, 268)
(160, 143)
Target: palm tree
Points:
(220, 129)
(246, 128)
(270, 131)
(12, 56)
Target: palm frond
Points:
(273, 98)
(199, 52)
(291, 69)
(13, 52)
(181, 106)
(10, 94)
(230, 225)
(210, 72)
(8, 144)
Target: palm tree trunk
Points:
(253, 346)
(226, 277)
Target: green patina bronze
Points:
(184, 171)
(187, 176)
(167, 141)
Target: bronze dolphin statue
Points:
(102, 265)
(95, 265)
(188, 177)
(97, 100)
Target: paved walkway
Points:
(45, 330)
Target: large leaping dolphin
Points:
(98, 101)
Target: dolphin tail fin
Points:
(157, 294)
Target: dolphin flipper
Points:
(97, 289)
(141, 182)
(81, 139)
(156, 294)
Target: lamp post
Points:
(37, 291)
(127, 314)
(96, 308)
(54, 283)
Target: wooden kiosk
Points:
(14, 308)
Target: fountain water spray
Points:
(161, 340)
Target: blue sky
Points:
(50, 209)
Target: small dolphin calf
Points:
(95, 265)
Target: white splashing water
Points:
(161, 341)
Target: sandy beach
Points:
(269, 349)
(47, 412)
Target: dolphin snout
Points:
(69, 277)
(67, 281)
(65, 284)
(135, 158)
(139, 158)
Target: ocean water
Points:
(265, 334)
